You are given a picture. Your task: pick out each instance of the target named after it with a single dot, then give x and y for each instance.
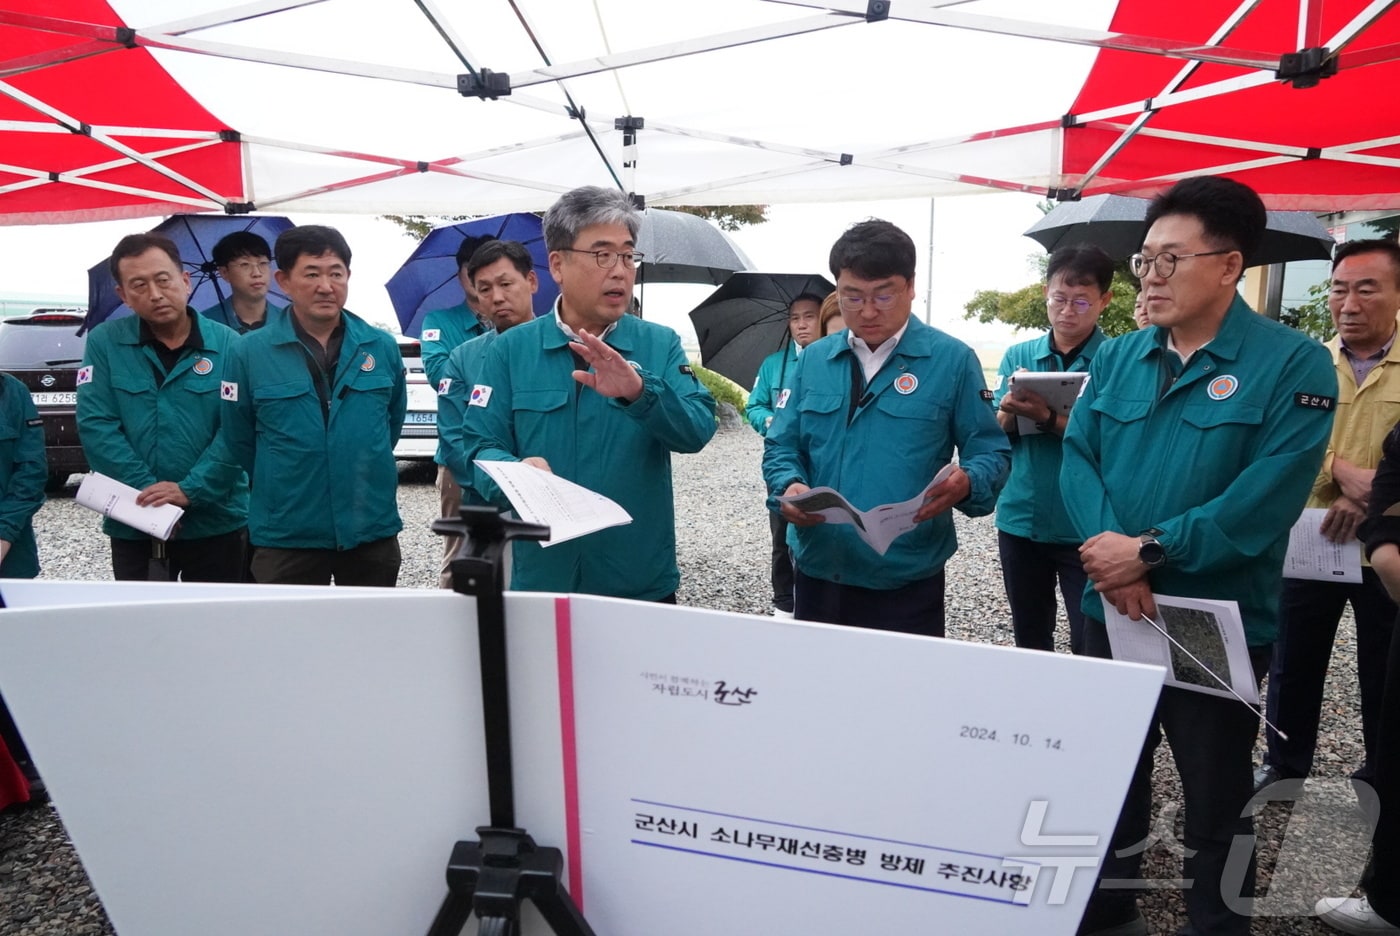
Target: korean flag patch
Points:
(481, 395)
(228, 390)
(84, 375)
(432, 334)
(444, 385)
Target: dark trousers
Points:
(1308, 616)
(1030, 570)
(1382, 880)
(374, 563)
(916, 608)
(1212, 742)
(205, 559)
(782, 563)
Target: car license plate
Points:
(61, 398)
(422, 418)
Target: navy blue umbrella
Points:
(195, 235)
(428, 278)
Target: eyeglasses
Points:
(1058, 303)
(248, 266)
(1165, 263)
(607, 259)
(855, 303)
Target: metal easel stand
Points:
(490, 877)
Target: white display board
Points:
(301, 760)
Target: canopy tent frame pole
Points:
(230, 15)
(1220, 35)
(77, 126)
(1055, 32)
(42, 176)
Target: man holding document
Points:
(1364, 299)
(1037, 543)
(876, 413)
(600, 398)
(1186, 461)
(148, 415)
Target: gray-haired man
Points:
(596, 396)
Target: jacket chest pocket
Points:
(132, 387)
(918, 427)
(282, 407)
(1218, 439)
(368, 387)
(534, 410)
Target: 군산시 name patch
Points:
(986, 395)
(1314, 401)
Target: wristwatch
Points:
(1151, 553)
(1048, 424)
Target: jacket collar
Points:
(1225, 346)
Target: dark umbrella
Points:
(195, 235)
(1117, 223)
(745, 320)
(685, 248)
(428, 278)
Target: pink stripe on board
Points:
(563, 637)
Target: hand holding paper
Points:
(569, 510)
(879, 526)
(111, 498)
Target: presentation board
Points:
(294, 760)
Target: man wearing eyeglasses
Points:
(1364, 299)
(875, 412)
(244, 262)
(1037, 543)
(1187, 459)
(598, 397)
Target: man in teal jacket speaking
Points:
(598, 397)
(876, 412)
(149, 413)
(314, 403)
(1187, 459)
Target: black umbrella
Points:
(1117, 223)
(685, 248)
(745, 320)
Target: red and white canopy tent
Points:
(126, 108)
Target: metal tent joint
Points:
(629, 126)
(126, 36)
(238, 207)
(877, 10)
(484, 84)
(1306, 67)
(230, 136)
(1064, 194)
(847, 159)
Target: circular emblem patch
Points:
(368, 364)
(906, 383)
(203, 366)
(1223, 387)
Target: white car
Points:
(420, 436)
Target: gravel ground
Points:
(723, 535)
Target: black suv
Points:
(44, 350)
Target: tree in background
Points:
(418, 226)
(1025, 308)
(726, 217)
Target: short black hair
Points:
(1231, 213)
(312, 240)
(1374, 245)
(493, 250)
(809, 297)
(872, 250)
(1082, 265)
(134, 245)
(470, 244)
(239, 244)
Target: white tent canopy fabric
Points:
(355, 106)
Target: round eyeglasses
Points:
(1164, 262)
(607, 259)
